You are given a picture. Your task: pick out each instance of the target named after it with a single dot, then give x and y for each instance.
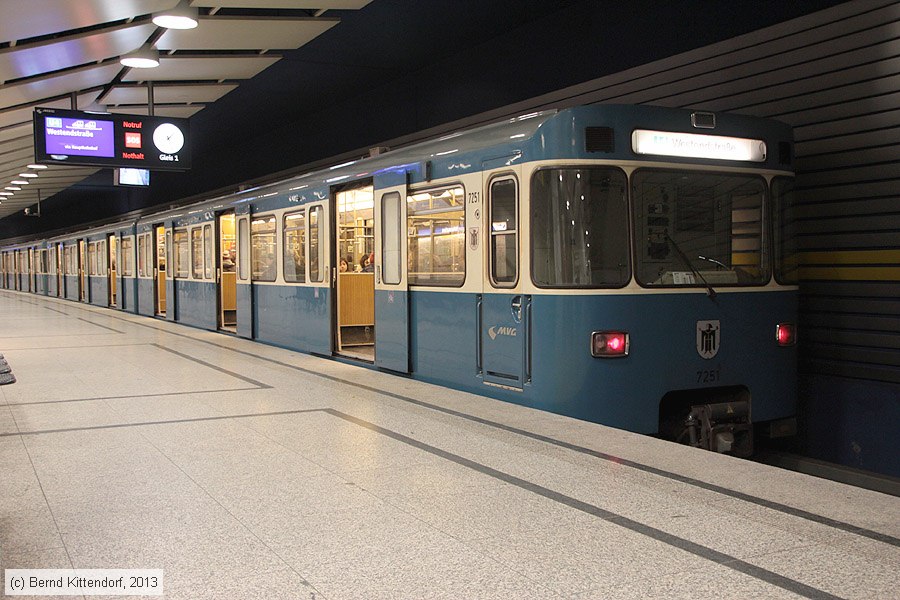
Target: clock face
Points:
(168, 138)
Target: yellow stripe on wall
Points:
(850, 273)
(846, 265)
(851, 257)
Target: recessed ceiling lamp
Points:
(144, 57)
(6, 194)
(36, 166)
(28, 174)
(13, 188)
(19, 182)
(183, 16)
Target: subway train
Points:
(628, 265)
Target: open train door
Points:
(391, 273)
(171, 268)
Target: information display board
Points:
(111, 140)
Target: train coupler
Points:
(723, 427)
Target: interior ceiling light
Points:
(183, 16)
(6, 194)
(19, 182)
(13, 188)
(144, 57)
(37, 166)
(28, 174)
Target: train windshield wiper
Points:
(713, 261)
(709, 290)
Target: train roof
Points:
(529, 136)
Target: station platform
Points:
(248, 471)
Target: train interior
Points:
(160, 270)
(112, 269)
(355, 231)
(228, 269)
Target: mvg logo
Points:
(493, 332)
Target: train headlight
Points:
(610, 344)
(786, 334)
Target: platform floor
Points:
(247, 471)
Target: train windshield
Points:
(699, 229)
(579, 227)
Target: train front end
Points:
(668, 265)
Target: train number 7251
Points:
(708, 376)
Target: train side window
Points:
(197, 253)
(207, 251)
(787, 250)
(391, 230)
(504, 232)
(170, 253)
(182, 261)
(262, 249)
(316, 223)
(436, 222)
(101, 258)
(92, 258)
(243, 249)
(128, 257)
(295, 247)
(142, 245)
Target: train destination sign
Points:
(693, 145)
(111, 140)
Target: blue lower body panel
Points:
(622, 392)
(71, 287)
(146, 297)
(99, 291)
(293, 317)
(196, 302)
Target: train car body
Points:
(628, 265)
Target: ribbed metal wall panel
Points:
(835, 76)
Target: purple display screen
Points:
(79, 137)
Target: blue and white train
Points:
(628, 265)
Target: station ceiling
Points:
(65, 54)
(270, 84)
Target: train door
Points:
(112, 273)
(354, 332)
(159, 269)
(31, 269)
(391, 283)
(82, 271)
(60, 271)
(227, 271)
(175, 253)
(504, 309)
(244, 288)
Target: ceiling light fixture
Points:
(19, 182)
(144, 57)
(13, 188)
(6, 194)
(28, 174)
(183, 16)
(36, 166)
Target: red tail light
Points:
(786, 334)
(609, 344)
